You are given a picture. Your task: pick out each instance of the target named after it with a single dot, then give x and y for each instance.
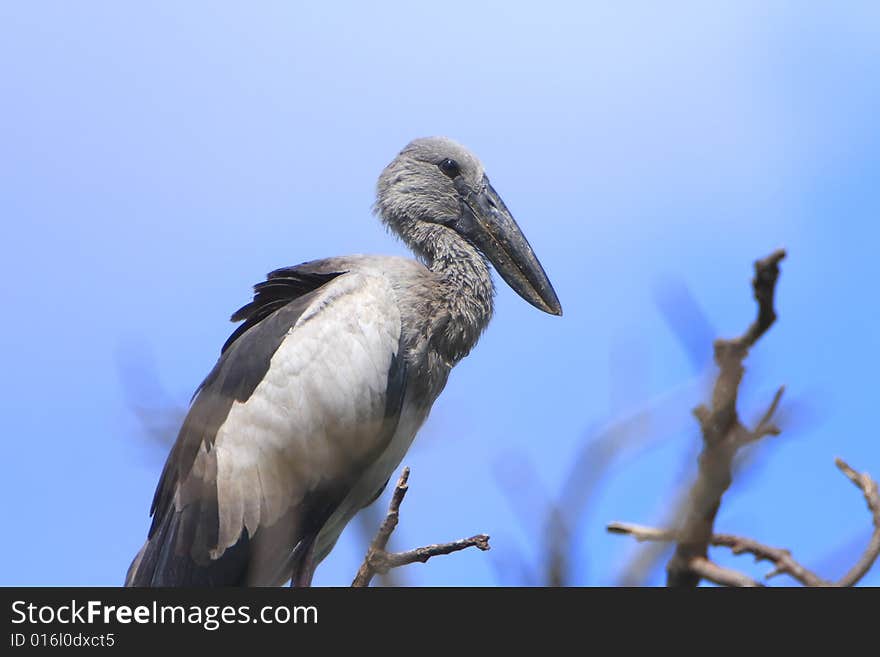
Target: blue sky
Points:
(159, 159)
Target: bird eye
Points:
(450, 168)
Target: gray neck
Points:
(465, 286)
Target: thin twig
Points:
(869, 489)
(783, 562)
(766, 426)
(708, 570)
(382, 562)
(378, 561)
(642, 533)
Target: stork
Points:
(319, 392)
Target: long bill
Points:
(487, 222)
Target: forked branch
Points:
(723, 433)
(379, 561)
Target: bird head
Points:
(436, 182)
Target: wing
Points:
(302, 399)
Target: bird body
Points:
(319, 393)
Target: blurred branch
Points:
(704, 569)
(686, 319)
(650, 555)
(625, 437)
(780, 558)
(647, 559)
(869, 489)
(594, 458)
(723, 433)
(690, 324)
(379, 561)
(723, 436)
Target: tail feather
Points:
(162, 562)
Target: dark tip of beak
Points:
(546, 296)
(555, 309)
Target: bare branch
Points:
(780, 558)
(705, 569)
(766, 426)
(723, 433)
(378, 561)
(783, 562)
(640, 532)
(365, 523)
(869, 489)
(764, 286)
(381, 561)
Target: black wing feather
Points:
(280, 287)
